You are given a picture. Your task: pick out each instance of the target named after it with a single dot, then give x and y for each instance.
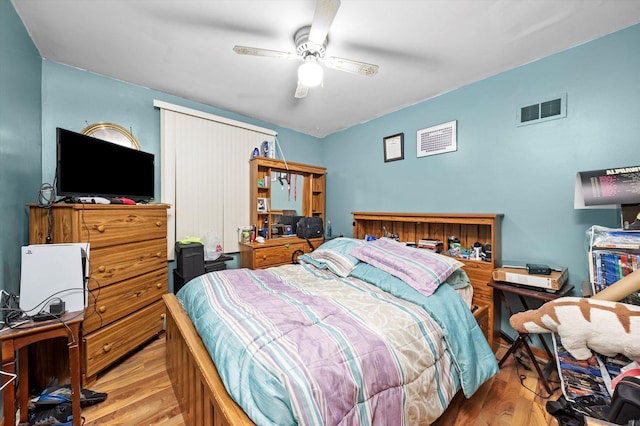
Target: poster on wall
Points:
(607, 188)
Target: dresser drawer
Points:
(110, 343)
(479, 272)
(113, 264)
(116, 301)
(122, 225)
(277, 255)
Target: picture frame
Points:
(393, 147)
(263, 205)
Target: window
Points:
(205, 173)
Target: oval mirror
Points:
(112, 133)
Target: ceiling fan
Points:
(311, 43)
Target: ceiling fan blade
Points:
(326, 11)
(348, 65)
(301, 91)
(255, 51)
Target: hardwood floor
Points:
(139, 393)
(504, 401)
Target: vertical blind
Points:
(205, 173)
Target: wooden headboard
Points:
(469, 228)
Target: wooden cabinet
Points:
(313, 189)
(273, 252)
(469, 228)
(128, 273)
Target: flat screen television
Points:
(91, 167)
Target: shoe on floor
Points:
(55, 395)
(60, 414)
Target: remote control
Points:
(94, 200)
(123, 200)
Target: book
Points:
(607, 266)
(432, 245)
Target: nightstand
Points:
(17, 339)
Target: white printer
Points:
(51, 273)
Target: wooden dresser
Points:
(469, 228)
(273, 252)
(128, 273)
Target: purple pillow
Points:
(421, 269)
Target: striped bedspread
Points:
(298, 345)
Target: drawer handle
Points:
(102, 309)
(159, 285)
(106, 348)
(163, 316)
(158, 223)
(102, 268)
(264, 257)
(158, 254)
(100, 228)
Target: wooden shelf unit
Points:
(279, 250)
(469, 228)
(313, 188)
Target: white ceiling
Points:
(424, 48)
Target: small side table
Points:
(523, 292)
(16, 340)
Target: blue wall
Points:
(526, 173)
(20, 139)
(73, 99)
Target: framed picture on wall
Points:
(393, 147)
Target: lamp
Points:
(310, 72)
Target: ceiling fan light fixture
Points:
(310, 73)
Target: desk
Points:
(17, 339)
(529, 292)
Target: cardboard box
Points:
(519, 276)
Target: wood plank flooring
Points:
(139, 393)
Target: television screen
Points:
(87, 166)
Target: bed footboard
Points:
(198, 388)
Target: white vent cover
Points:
(437, 139)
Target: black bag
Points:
(625, 403)
(310, 227)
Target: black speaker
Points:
(625, 402)
(190, 260)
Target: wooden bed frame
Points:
(201, 394)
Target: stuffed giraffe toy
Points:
(586, 324)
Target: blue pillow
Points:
(334, 255)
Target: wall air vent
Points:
(536, 112)
(437, 139)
